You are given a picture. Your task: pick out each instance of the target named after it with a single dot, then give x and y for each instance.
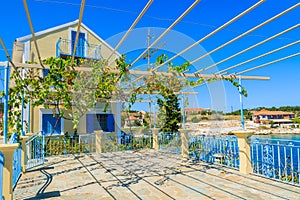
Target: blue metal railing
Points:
(17, 165)
(62, 145)
(218, 149)
(170, 142)
(276, 159)
(84, 50)
(127, 141)
(1, 173)
(35, 150)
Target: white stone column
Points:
(244, 150)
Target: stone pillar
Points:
(155, 144)
(98, 141)
(24, 153)
(184, 143)
(244, 150)
(8, 153)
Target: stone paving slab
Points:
(145, 174)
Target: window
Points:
(103, 122)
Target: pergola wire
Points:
(131, 28)
(249, 48)
(166, 31)
(245, 33)
(32, 31)
(257, 57)
(78, 30)
(269, 63)
(209, 35)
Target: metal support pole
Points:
(241, 103)
(22, 116)
(28, 117)
(5, 114)
(183, 113)
(154, 116)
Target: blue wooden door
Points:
(80, 49)
(49, 124)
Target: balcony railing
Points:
(65, 47)
(276, 159)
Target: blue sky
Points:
(109, 18)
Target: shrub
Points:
(195, 120)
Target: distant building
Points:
(278, 117)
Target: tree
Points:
(170, 104)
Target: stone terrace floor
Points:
(145, 174)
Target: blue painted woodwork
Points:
(80, 49)
(1, 173)
(103, 122)
(49, 123)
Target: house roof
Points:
(28, 37)
(268, 112)
(132, 118)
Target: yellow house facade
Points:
(59, 42)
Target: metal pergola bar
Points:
(148, 73)
(258, 57)
(166, 31)
(78, 29)
(269, 63)
(209, 35)
(249, 48)
(246, 33)
(131, 28)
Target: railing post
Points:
(184, 143)
(24, 153)
(98, 142)
(8, 154)
(155, 132)
(244, 150)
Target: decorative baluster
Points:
(279, 164)
(285, 163)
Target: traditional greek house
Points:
(278, 117)
(59, 41)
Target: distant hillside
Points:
(294, 109)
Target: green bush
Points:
(195, 120)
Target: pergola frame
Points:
(154, 71)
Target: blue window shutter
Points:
(90, 123)
(110, 123)
(80, 49)
(49, 122)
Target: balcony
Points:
(65, 48)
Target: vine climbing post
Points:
(22, 116)
(5, 114)
(183, 113)
(241, 103)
